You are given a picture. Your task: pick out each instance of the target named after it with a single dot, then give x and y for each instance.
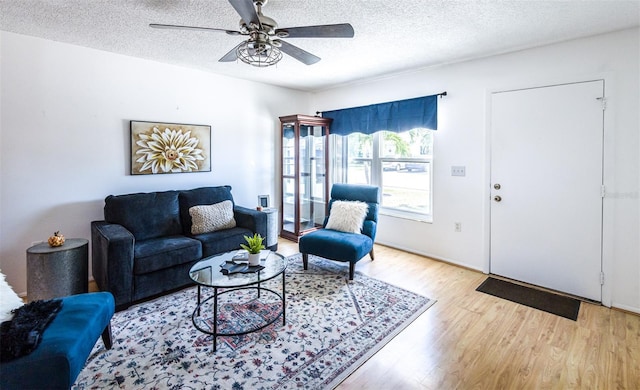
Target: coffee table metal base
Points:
(196, 316)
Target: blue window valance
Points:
(397, 116)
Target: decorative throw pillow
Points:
(209, 218)
(347, 216)
(9, 300)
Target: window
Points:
(399, 163)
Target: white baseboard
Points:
(630, 309)
(432, 256)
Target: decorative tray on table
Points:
(237, 267)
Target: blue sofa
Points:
(65, 346)
(144, 246)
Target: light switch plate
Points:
(457, 171)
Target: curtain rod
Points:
(441, 94)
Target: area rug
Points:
(333, 325)
(559, 305)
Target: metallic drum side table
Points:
(54, 272)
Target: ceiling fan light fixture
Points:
(260, 53)
(260, 49)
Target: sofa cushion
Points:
(336, 245)
(222, 240)
(162, 281)
(166, 252)
(200, 196)
(145, 215)
(209, 218)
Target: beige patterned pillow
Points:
(209, 218)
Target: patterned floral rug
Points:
(333, 325)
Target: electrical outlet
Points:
(458, 170)
(457, 227)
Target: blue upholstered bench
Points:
(65, 346)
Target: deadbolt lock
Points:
(497, 198)
(497, 186)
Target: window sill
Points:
(424, 218)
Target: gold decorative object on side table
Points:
(56, 240)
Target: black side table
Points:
(54, 272)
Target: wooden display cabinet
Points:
(304, 167)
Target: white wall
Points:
(461, 139)
(65, 136)
(64, 140)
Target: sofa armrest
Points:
(251, 219)
(112, 260)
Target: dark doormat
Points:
(551, 303)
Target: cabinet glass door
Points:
(312, 176)
(288, 178)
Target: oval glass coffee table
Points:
(243, 287)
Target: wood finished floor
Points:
(471, 340)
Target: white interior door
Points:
(546, 183)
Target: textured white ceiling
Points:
(390, 35)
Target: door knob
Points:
(497, 198)
(497, 186)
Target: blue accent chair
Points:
(341, 246)
(65, 346)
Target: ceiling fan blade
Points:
(294, 51)
(176, 27)
(247, 12)
(344, 30)
(231, 56)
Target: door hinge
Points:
(603, 101)
(603, 191)
(602, 278)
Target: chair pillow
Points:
(9, 300)
(347, 216)
(209, 218)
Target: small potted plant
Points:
(254, 245)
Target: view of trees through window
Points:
(399, 163)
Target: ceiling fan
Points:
(264, 46)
